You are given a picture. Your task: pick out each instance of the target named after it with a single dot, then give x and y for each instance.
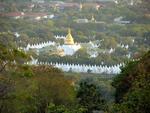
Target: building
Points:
(14, 15)
(69, 39)
(119, 20)
(29, 15)
(38, 1)
(82, 20)
(69, 46)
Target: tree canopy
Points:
(133, 87)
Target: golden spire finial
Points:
(69, 31)
(81, 6)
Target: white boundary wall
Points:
(114, 69)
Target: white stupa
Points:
(69, 46)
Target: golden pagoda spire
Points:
(69, 39)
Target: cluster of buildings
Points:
(119, 20)
(92, 20)
(43, 7)
(129, 2)
(30, 15)
(63, 5)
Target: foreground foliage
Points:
(89, 96)
(133, 87)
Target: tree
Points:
(122, 83)
(133, 87)
(81, 53)
(145, 5)
(52, 87)
(11, 63)
(36, 93)
(9, 54)
(89, 96)
(52, 108)
(109, 42)
(6, 89)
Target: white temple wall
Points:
(115, 69)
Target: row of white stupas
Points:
(131, 2)
(123, 46)
(71, 49)
(78, 68)
(68, 50)
(48, 43)
(59, 37)
(39, 45)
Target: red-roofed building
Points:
(15, 15)
(36, 16)
(33, 16)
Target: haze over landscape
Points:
(74, 56)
